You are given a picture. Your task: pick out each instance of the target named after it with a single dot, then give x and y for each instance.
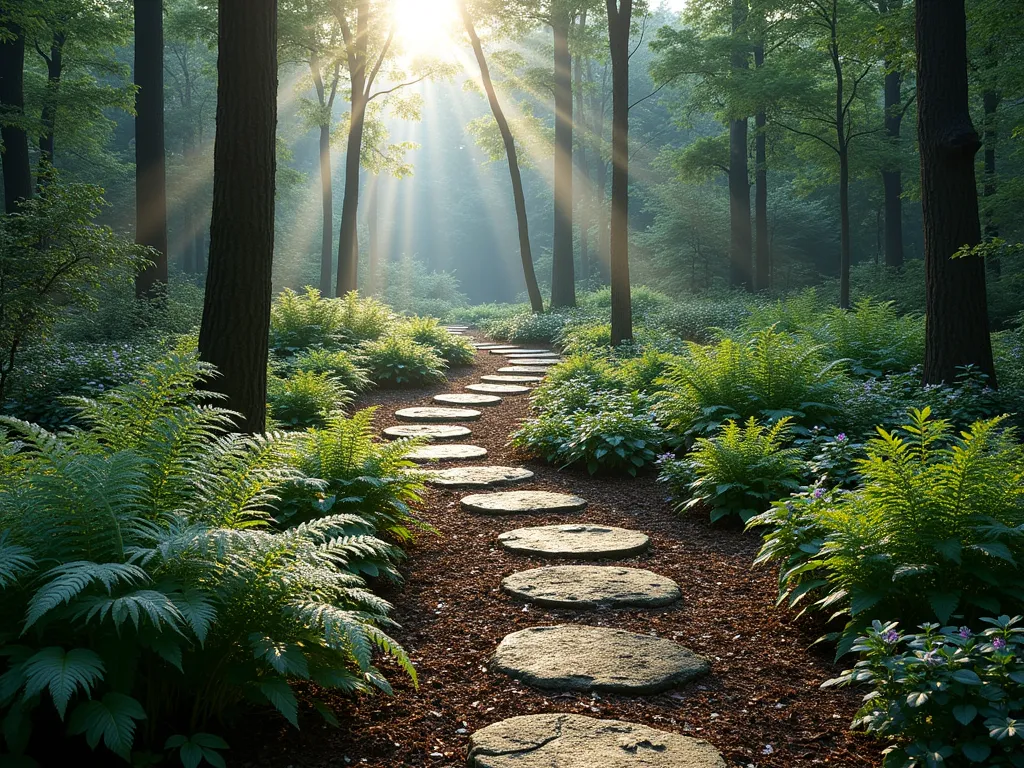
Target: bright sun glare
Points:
(425, 27)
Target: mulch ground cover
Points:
(761, 705)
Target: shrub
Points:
(589, 373)
(305, 398)
(943, 696)
(299, 321)
(338, 365)
(398, 361)
(739, 471)
(934, 530)
(453, 349)
(872, 337)
(695, 319)
(641, 372)
(140, 579)
(528, 327)
(592, 337)
(644, 300)
(616, 432)
(771, 376)
(363, 318)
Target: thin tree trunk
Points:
(563, 277)
(236, 312)
(48, 116)
(150, 167)
(348, 239)
(619, 17)
(844, 226)
(957, 331)
(17, 167)
(762, 274)
(600, 186)
(189, 256)
(327, 199)
(739, 174)
(519, 197)
(373, 227)
(582, 187)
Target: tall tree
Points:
(762, 247)
(620, 13)
(739, 173)
(957, 312)
(236, 312)
(563, 273)
(582, 186)
(17, 166)
(508, 140)
(150, 161)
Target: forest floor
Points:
(761, 706)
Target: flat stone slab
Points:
(533, 361)
(523, 369)
(461, 398)
(492, 346)
(523, 503)
(573, 657)
(559, 740)
(519, 351)
(478, 477)
(449, 452)
(579, 542)
(498, 389)
(509, 379)
(589, 587)
(427, 431)
(428, 415)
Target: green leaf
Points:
(917, 698)
(965, 713)
(863, 601)
(111, 718)
(976, 751)
(944, 603)
(197, 610)
(949, 549)
(967, 677)
(69, 580)
(63, 673)
(279, 693)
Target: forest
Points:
(512, 383)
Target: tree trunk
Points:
(348, 238)
(563, 277)
(844, 226)
(519, 197)
(762, 273)
(16, 162)
(150, 168)
(48, 116)
(375, 281)
(957, 313)
(892, 176)
(582, 186)
(236, 313)
(739, 174)
(327, 198)
(619, 19)
(600, 184)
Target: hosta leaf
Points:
(62, 673)
(965, 713)
(917, 698)
(111, 719)
(967, 677)
(976, 751)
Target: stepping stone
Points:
(427, 431)
(589, 587)
(573, 657)
(428, 415)
(579, 542)
(557, 740)
(445, 453)
(478, 477)
(460, 398)
(517, 351)
(495, 346)
(456, 327)
(511, 379)
(523, 369)
(498, 389)
(523, 503)
(539, 353)
(533, 361)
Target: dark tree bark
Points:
(892, 176)
(563, 273)
(236, 313)
(620, 14)
(740, 241)
(48, 117)
(957, 326)
(348, 238)
(598, 108)
(519, 198)
(762, 273)
(17, 166)
(150, 167)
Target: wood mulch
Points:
(761, 706)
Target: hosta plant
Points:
(944, 696)
(739, 471)
(398, 361)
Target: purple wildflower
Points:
(964, 632)
(999, 644)
(818, 493)
(841, 437)
(890, 636)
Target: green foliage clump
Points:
(454, 350)
(739, 471)
(337, 364)
(527, 326)
(944, 695)
(140, 578)
(873, 337)
(770, 376)
(305, 398)
(592, 373)
(644, 300)
(300, 321)
(696, 319)
(398, 361)
(935, 529)
(410, 287)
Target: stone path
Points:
(567, 657)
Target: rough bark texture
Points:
(150, 169)
(236, 314)
(348, 238)
(957, 325)
(740, 241)
(563, 277)
(519, 197)
(762, 247)
(16, 163)
(619, 16)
